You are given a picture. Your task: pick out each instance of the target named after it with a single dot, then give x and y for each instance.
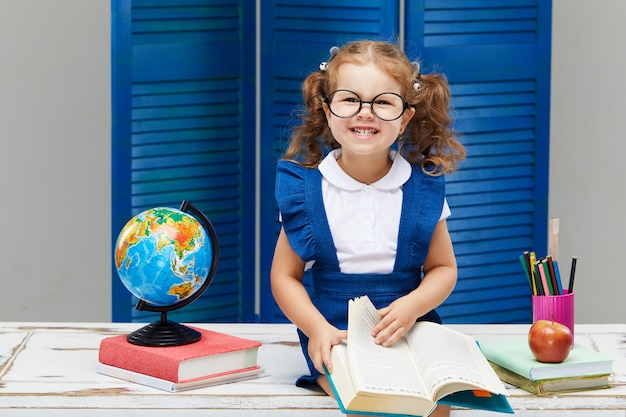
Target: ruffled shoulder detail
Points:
(296, 206)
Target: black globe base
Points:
(164, 333)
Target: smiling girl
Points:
(362, 200)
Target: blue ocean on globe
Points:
(163, 256)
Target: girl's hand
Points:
(440, 273)
(397, 318)
(320, 342)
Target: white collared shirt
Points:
(364, 219)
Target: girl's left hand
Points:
(397, 318)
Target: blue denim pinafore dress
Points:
(299, 198)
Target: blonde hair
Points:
(428, 140)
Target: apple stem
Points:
(552, 317)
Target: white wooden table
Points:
(49, 369)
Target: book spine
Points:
(516, 380)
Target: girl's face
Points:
(365, 134)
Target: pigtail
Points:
(307, 140)
(430, 139)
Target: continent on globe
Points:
(163, 256)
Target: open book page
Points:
(374, 368)
(450, 361)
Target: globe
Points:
(163, 256)
(166, 258)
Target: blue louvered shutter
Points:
(497, 58)
(180, 69)
(172, 101)
(296, 36)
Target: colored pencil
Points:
(546, 275)
(558, 277)
(572, 274)
(541, 279)
(525, 261)
(555, 286)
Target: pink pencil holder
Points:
(559, 308)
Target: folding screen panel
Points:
(497, 58)
(182, 69)
(295, 37)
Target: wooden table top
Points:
(50, 368)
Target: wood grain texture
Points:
(49, 369)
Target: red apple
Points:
(550, 341)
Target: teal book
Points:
(432, 364)
(515, 355)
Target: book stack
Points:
(584, 368)
(217, 358)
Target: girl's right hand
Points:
(320, 343)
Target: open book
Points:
(432, 364)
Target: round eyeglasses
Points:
(386, 106)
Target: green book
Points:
(552, 386)
(515, 355)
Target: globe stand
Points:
(163, 333)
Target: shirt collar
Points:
(399, 173)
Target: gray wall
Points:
(55, 128)
(588, 145)
(55, 123)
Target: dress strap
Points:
(422, 202)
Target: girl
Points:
(366, 218)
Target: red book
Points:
(215, 353)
